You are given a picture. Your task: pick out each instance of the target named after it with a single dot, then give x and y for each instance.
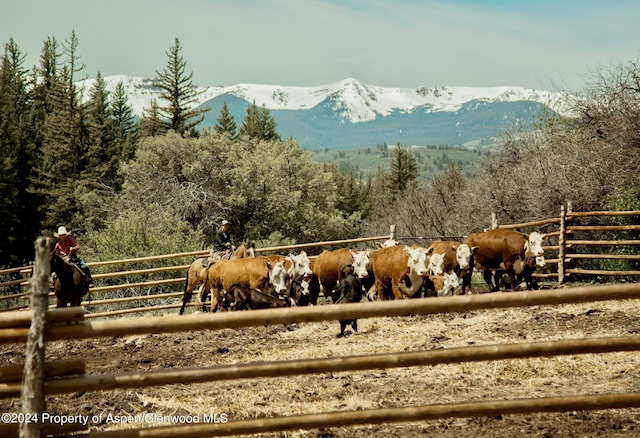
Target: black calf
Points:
(350, 291)
(245, 298)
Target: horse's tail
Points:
(187, 295)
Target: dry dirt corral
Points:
(251, 398)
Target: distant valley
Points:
(351, 115)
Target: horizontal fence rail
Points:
(225, 320)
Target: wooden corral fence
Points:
(572, 240)
(14, 327)
(568, 251)
(150, 285)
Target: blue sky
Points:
(542, 44)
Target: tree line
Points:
(125, 184)
(160, 184)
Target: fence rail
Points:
(14, 330)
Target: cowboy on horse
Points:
(68, 248)
(222, 244)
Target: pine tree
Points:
(101, 159)
(16, 152)
(226, 123)
(151, 123)
(258, 124)
(404, 169)
(124, 123)
(64, 143)
(179, 93)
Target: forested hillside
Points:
(162, 184)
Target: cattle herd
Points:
(391, 271)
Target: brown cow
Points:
(458, 259)
(255, 273)
(197, 273)
(399, 271)
(503, 250)
(327, 267)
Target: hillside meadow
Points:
(431, 160)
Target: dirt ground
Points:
(316, 393)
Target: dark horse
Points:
(70, 284)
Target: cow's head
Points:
(300, 265)
(277, 277)
(436, 264)
(533, 245)
(387, 243)
(464, 255)
(418, 258)
(361, 264)
(450, 283)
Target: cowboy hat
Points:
(225, 222)
(62, 231)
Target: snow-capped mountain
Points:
(350, 102)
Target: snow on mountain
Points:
(354, 101)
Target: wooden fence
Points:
(568, 251)
(14, 328)
(102, 278)
(565, 257)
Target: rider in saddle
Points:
(68, 248)
(222, 243)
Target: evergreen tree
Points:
(16, 209)
(99, 160)
(258, 124)
(226, 122)
(179, 93)
(151, 123)
(124, 124)
(404, 169)
(64, 143)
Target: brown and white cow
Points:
(327, 267)
(296, 265)
(254, 273)
(504, 250)
(442, 285)
(399, 271)
(458, 258)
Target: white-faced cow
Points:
(458, 258)
(255, 273)
(399, 271)
(504, 250)
(444, 284)
(295, 265)
(327, 268)
(387, 243)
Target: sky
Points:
(554, 45)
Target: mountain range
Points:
(349, 114)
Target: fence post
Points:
(32, 397)
(561, 244)
(392, 232)
(494, 221)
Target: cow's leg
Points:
(487, 274)
(354, 325)
(497, 278)
(512, 278)
(397, 293)
(466, 280)
(343, 325)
